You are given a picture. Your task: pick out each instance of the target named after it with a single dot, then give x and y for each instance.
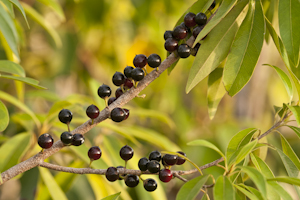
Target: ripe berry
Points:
(126, 113)
(169, 159)
(66, 138)
(153, 166)
(180, 160)
(179, 32)
(127, 71)
(165, 175)
(154, 60)
(104, 91)
(132, 180)
(45, 141)
(112, 174)
(150, 184)
(143, 163)
(77, 139)
(140, 60)
(189, 19)
(155, 155)
(117, 114)
(137, 74)
(126, 152)
(184, 51)
(123, 175)
(171, 44)
(194, 50)
(118, 92)
(201, 19)
(128, 83)
(92, 111)
(94, 153)
(168, 34)
(197, 30)
(65, 116)
(110, 100)
(118, 79)
(213, 5)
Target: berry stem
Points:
(106, 101)
(90, 163)
(123, 89)
(68, 124)
(92, 122)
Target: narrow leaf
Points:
(255, 192)
(11, 67)
(112, 197)
(246, 192)
(26, 80)
(279, 189)
(287, 149)
(296, 111)
(18, 5)
(289, 180)
(296, 130)
(206, 144)
(4, 116)
(191, 188)
(223, 189)
(244, 151)
(54, 5)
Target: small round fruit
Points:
(118, 79)
(168, 34)
(112, 174)
(194, 50)
(169, 159)
(126, 113)
(117, 114)
(45, 141)
(111, 100)
(184, 51)
(104, 91)
(66, 138)
(140, 60)
(137, 74)
(179, 32)
(94, 153)
(153, 166)
(165, 175)
(92, 111)
(201, 19)
(126, 152)
(127, 71)
(77, 139)
(155, 155)
(150, 185)
(121, 167)
(132, 180)
(212, 6)
(65, 116)
(143, 163)
(171, 44)
(180, 160)
(119, 92)
(128, 83)
(154, 60)
(197, 30)
(189, 19)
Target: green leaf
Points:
(246, 192)
(54, 5)
(54, 189)
(4, 116)
(289, 20)
(214, 49)
(296, 130)
(287, 149)
(242, 153)
(245, 50)
(9, 7)
(285, 79)
(215, 91)
(279, 189)
(11, 67)
(289, 180)
(18, 5)
(296, 111)
(254, 191)
(191, 188)
(223, 189)
(112, 197)
(26, 80)
(206, 144)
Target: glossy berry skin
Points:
(112, 174)
(179, 32)
(153, 166)
(77, 139)
(180, 160)
(150, 185)
(171, 44)
(168, 34)
(201, 19)
(140, 60)
(45, 141)
(92, 111)
(65, 116)
(137, 74)
(66, 138)
(126, 152)
(111, 100)
(169, 159)
(143, 163)
(127, 71)
(118, 79)
(184, 51)
(197, 30)
(118, 92)
(104, 91)
(155, 155)
(128, 83)
(165, 175)
(126, 113)
(132, 180)
(94, 153)
(154, 60)
(117, 114)
(121, 167)
(189, 20)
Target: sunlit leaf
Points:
(223, 189)
(287, 149)
(296, 111)
(254, 191)
(205, 143)
(289, 180)
(26, 80)
(18, 5)
(4, 116)
(191, 188)
(242, 153)
(112, 197)
(246, 192)
(11, 67)
(296, 130)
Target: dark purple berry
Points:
(154, 60)
(189, 19)
(168, 34)
(143, 163)
(104, 91)
(140, 60)
(171, 44)
(118, 92)
(123, 175)
(77, 139)
(179, 32)
(184, 51)
(66, 138)
(169, 159)
(132, 180)
(112, 174)
(137, 74)
(126, 152)
(111, 100)
(45, 141)
(126, 113)
(128, 84)
(65, 116)
(94, 153)
(127, 71)
(92, 111)
(118, 79)
(155, 155)
(150, 185)
(197, 30)
(153, 166)
(117, 114)
(165, 175)
(180, 160)
(201, 19)
(213, 5)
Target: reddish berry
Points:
(189, 19)
(94, 153)
(171, 44)
(126, 113)
(45, 141)
(118, 92)
(92, 111)
(128, 83)
(165, 175)
(180, 160)
(140, 60)
(179, 32)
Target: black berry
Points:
(118, 92)
(127, 71)
(171, 44)
(118, 79)
(126, 113)
(132, 180)
(137, 74)
(104, 91)
(110, 100)
(180, 160)
(213, 5)
(92, 111)
(201, 19)
(143, 163)
(189, 19)
(168, 34)
(77, 139)
(150, 185)
(126, 152)
(112, 174)
(197, 30)
(117, 114)
(194, 50)
(66, 138)
(179, 32)
(154, 60)
(94, 153)
(169, 159)
(128, 83)
(155, 155)
(45, 141)
(153, 166)
(140, 60)
(184, 51)
(65, 116)
(165, 175)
